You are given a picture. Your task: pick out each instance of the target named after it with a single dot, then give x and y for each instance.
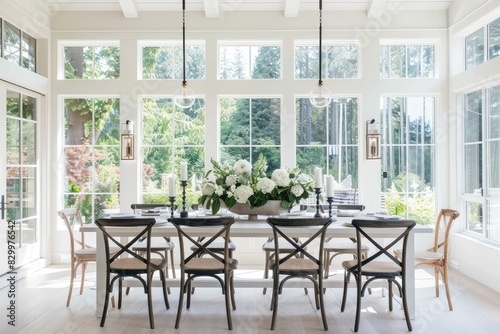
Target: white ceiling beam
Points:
(129, 8)
(292, 8)
(376, 8)
(211, 8)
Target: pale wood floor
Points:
(42, 296)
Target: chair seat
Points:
(284, 246)
(428, 256)
(205, 263)
(157, 245)
(133, 264)
(340, 247)
(374, 267)
(85, 251)
(296, 264)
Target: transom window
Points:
(407, 61)
(17, 46)
(339, 61)
(249, 61)
(91, 60)
(483, 44)
(164, 60)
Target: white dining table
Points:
(243, 228)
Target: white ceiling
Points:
(213, 8)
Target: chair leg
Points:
(232, 290)
(105, 307)
(274, 303)
(227, 284)
(181, 300)
(358, 302)
(150, 302)
(189, 292)
(73, 274)
(436, 280)
(405, 305)
(120, 280)
(347, 276)
(447, 287)
(389, 283)
(164, 288)
(322, 303)
(82, 284)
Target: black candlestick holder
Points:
(184, 213)
(172, 206)
(330, 201)
(318, 192)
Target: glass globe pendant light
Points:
(184, 96)
(320, 96)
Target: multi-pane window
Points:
(249, 127)
(482, 162)
(171, 135)
(328, 139)
(258, 61)
(339, 61)
(92, 61)
(17, 46)
(165, 61)
(494, 39)
(408, 157)
(407, 61)
(92, 155)
(483, 44)
(474, 49)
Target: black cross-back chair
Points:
(212, 264)
(134, 264)
(380, 265)
(298, 263)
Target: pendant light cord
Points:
(320, 82)
(184, 42)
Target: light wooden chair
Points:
(437, 256)
(135, 265)
(81, 253)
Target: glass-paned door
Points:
(19, 175)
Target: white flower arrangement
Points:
(243, 183)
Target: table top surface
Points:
(260, 227)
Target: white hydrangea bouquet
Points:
(243, 183)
